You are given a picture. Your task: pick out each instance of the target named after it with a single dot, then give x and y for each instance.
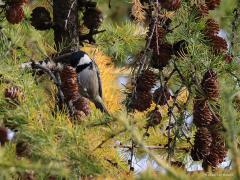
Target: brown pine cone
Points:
(202, 143)
(69, 77)
(154, 118)
(161, 58)
(3, 135)
(219, 146)
(92, 18)
(210, 84)
(161, 96)
(218, 151)
(195, 155)
(180, 48)
(141, 101)
(202, 116)
(23, 149)
(158, 36)
(146, 81)
(170, 5)
(218, 44)
(202, 10)
(14, 93)
(212, 4)
(236, 102)
(14, 2)
(14, 13)
(71, 91)
(41, 19)
(212, 28)
(228, 58)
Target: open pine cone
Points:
(180, 48)
(146, 80)
(202, 116)
(161, 58)
(210, 84)
(218, 151)
(3, 135)
(212, 4)
(41, 19)
(71, 91)
(141, 101)
(92, 18)
(202, 10)
(219, 44)
(161, 96)
(158, 36)
(14, 13)
(154, 118)
(170, 5)
(202, 144)
(14, 2)
(14, 93)
(212, 28)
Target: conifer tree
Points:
(179, 64)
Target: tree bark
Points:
(65, 17)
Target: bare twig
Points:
(69, 12)
(150, 147)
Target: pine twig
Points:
(235, 24)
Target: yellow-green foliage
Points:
(58, 146)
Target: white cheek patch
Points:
(10, 134)
(84, 60)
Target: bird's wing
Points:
(99, 80)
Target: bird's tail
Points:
(100, 105)
(46, 63)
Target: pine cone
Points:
(41, 19)
(161, 58)
(218, 151)
(161, 96)
(92, 18)
(14, 13)
(27, 175)
(202, 10)
(23, 149)
(195, 155)
(16, 2)
(146, 80)
(165, 22)
(14, 93)
(219, 44)
(212, 4)
(212, 28)
(202, 144)
(71, 91)
(154, 118)
(3, 135)
(158, 36)
(141, 101)
(228, 58)
(210, 84)
(202, 116)
(236, 102)
(170, 5)
(180, 48)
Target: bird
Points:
(88, 75)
